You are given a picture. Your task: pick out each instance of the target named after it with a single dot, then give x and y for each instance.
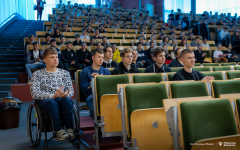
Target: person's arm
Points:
(68, 84)
(36, 91)
(29, 61)
(41, 52)
(75, 57)
(173, 56)
(221, 34)
(64, 58)
(114, 72)
(146, 56)
(147, 70)
(85, 85)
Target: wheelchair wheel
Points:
(76, 122)
(34, 125)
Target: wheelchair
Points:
(39, 121)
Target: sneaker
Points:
(70, 133)
(62, 135)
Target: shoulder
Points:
(38, 72)
(197, 72)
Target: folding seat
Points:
(69, 34)
(189, 89)
(116, 41)
(121, 31)
(176, 69)
(228, 64)
(30, 47)
(141, 70)
(237, 102)
(216, 75)
(135, 41)
(129, 36)
(147, 78)
(131, 31)
(40, 34)
(86, 40)
(144, 120)
(202, 68)
(122, 47)
(193, 48)
(200, 124)
(236, 67)
(117, 36)
(76, 29)
(232, 74)
(63, 47)
(197, 64)
(126, 42)
(225, 87)
(211, 43)
(222, 68)
(210, 64)
(170, 76)
(110, 30)
(206, 50)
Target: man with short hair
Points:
(107, 59)
(191, 37)
(65, 28)
(84, 35)
(224, 35)
(77, 41)
(218, 55)
(53, 44)
(152, 39)
(142, 55)
(34, 59)
(187, 73)
(62, 39)
(199, 55)
(152, 45)
(97, 35)
(51, 88)
(159, 66)
(196, 42)
(101, 28)
(99, 45)
(141, 39)
(126, 65)
(205, 44)
(104, 41)
(189, 31)
(47, 37)
(134, 59)
(90, 72)
(177, 62)
(69, 58)
(84, 56)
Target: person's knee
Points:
(67, 101)
(51, 103)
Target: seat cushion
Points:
(229, 64)
(206, 119)
(222, 68)
(211, 64)
(216, 75)
(225, 87)
(147, 78)
(191, 89)
(141, 70)
(233, 74)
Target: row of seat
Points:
(145, 98)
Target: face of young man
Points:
(127, 59)
(135, 56)
(152, 45)
(48, 38)
(35, 46)
(84, 45)
(99, 45)
(109, 53)
(188, 60)
(104, 40)
(53, 44)
(200, 47)
(52, 60)
(139, 46)
(160, 59)
(63, 39)
(197, 40)
(98, 59)
(96, 32)
(204, 41)
(77, 39)
(65, 27)
(219, 47)
(84, 32)
(32, 38)
(114, 47)
(69, 46)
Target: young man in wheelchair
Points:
(51, 88)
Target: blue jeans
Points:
(33, 66)
(55, 107)
(89, 102)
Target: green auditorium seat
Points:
(202, 68)
(141, 70)
(233, 74)
(206, 119)
(216, 75)
(210, 64)
(170, 76)
(147, 78)
(236, 67)
(225, 87)
(237, 103)
(228, 64)
(222, 68)
(197, 64)
(176, 69)
(189, 89)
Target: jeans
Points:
(89, 102)
(76, 65)
(33, 66)
(55, 107)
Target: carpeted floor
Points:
(17, 139)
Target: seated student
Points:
(177, 61)
(47, 37)
(97, 35)
(230, 54)
(89, 28)
(152, 39)
(69, 58)
(62, 39)
(101, 28)
(165, 41)
(126, 66)
(99, 45)
(34, 59)
(84, 56)
(187, 73)
(134, 59)
(142, 55)
(191, 37)
(54, 45)
(104, 41)
(107, 59)
(152, 45)
(205, 44)
(199, 55)
(31, 38)
(116, 53)
(90, 72)
(196, 42)
(151, 60)
(182, 36)
(56, 33)
(92, 41)
(60, 23)
(65, 28)
(189, 31)
(77, 41)
(53, 27)
(84, 35)
(141, 39)
(159, 58)
(218, 55)
(51, 88)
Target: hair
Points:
(125, 50)
(182, 41)
(61, 36)
(141, 37)
(96, 29)
(83, 29)
(76, 35)
(199, 44)
(49, 51)
(157, 50)
(151, 43)
(104, 37)
(47, 34)
(113, 44)
(107, 46)
(185, 51)
(34, 42)
(197, 38)
(56, 30)
(218, 44)
(97, 51)
(176, 51)
(228, 45)
(29, 36)
(138, 43)
(204, 38)
(52, 40)
(98, 43)
(165, 38)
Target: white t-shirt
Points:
(84, 37)
(217, 54)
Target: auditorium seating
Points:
(157, 78)
(222, 68)
(232, 74)
(225, 87)
(216, 75)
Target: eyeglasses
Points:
(84, 45)
(128, 57)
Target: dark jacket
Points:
(30, 57)
(148, 63)
(111, 64)
(148, 53)
(230, 55)
(83, 55)
(75, 43)
(142, 55)
(155, 69)
(183, 75)
(121, 69)
(175, 63)
(198, 56)
(45, 43)
(69, 56)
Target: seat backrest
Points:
(143, 97)
(202, 68)
(233, 74)
(108, 85)
(211, 64)
(191, 89)
(197, 64)
(206, 119)
(141, 70)
(216, 75)
(147, 78)
(228, 64)
(170, 76)
(225, 87)
(222, 68)
(236, 67)
(238, 108)
(176, 69)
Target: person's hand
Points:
(57, 94)
(204, 54)
(235, 56)
(115, 59)
(73, 62)
(169, 55)
(143, 61)
(208, 79)
(85, 60)
(60, 93)
(95, 74)
(224, 55)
